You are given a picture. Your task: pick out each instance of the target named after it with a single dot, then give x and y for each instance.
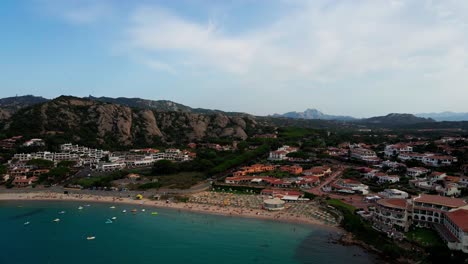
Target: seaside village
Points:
(417, 183)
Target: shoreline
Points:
(227, 211)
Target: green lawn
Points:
(424, 237)
(338, 204)
(181, 180)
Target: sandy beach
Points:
(282, 216)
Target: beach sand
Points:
(282, 216)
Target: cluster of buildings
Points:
(213, 146)
(404, 152)
(10, 143)
(448, 216)
(82, 155)
(281, 153)
(141, 158)
(299, 178)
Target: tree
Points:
(164, 167)
(41, 163)
(3, 169)
(66, 163)
(59, 173)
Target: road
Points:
(355, 200)
(318, 190)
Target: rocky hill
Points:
(313, 114)
(396, 119)
(159, 105)
(100, 123)
(10, 105)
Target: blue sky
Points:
(359, 58)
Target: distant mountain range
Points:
(390, 119)
(395, 119)
(314, 114)
(445, 116)
(313, 117)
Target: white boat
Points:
(143, 210)
(80, 208)
(61, 212)
(27, 223)
(108, 221)
(91, 238)
(56, 220)
(87, 205)
(124, 211)
(112, 207)
(113, 218)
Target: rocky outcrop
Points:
(88, 120)
(4, 114)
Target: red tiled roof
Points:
(393, 202)
(440, 200)
(460, 218)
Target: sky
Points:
(361, 58)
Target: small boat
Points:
(134, 210)
(56, 220)
(124, 211)
(80, 208)
(108, 221)
(143, 210)
(27, 223)
(114, 218)
(87, 205)
(61, 212)
(91, 238)
(112, 207)
(154, 213)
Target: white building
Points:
(454, 230)
(110, 166)
(392, 213)
(394, 194)
(397, 149)
(417, 172)
(281, 153)
(439, 160)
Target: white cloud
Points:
(321, 42)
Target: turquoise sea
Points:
(170, 237)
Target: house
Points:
(454, 229)
(280, 193)
(318, 171)
(417, 172)
(34, 142)
(436, 176)
(365, 155)
(133, 176)
(397, 149)
(414, 156)
(256, 168)
(281, 153)
(382, 177)
(24, 181)
(439, 160)
(392, 213)
(295, 169)
(307, 181)
(350, 186)
(429, 209)
(393, 194)
(110, 166)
